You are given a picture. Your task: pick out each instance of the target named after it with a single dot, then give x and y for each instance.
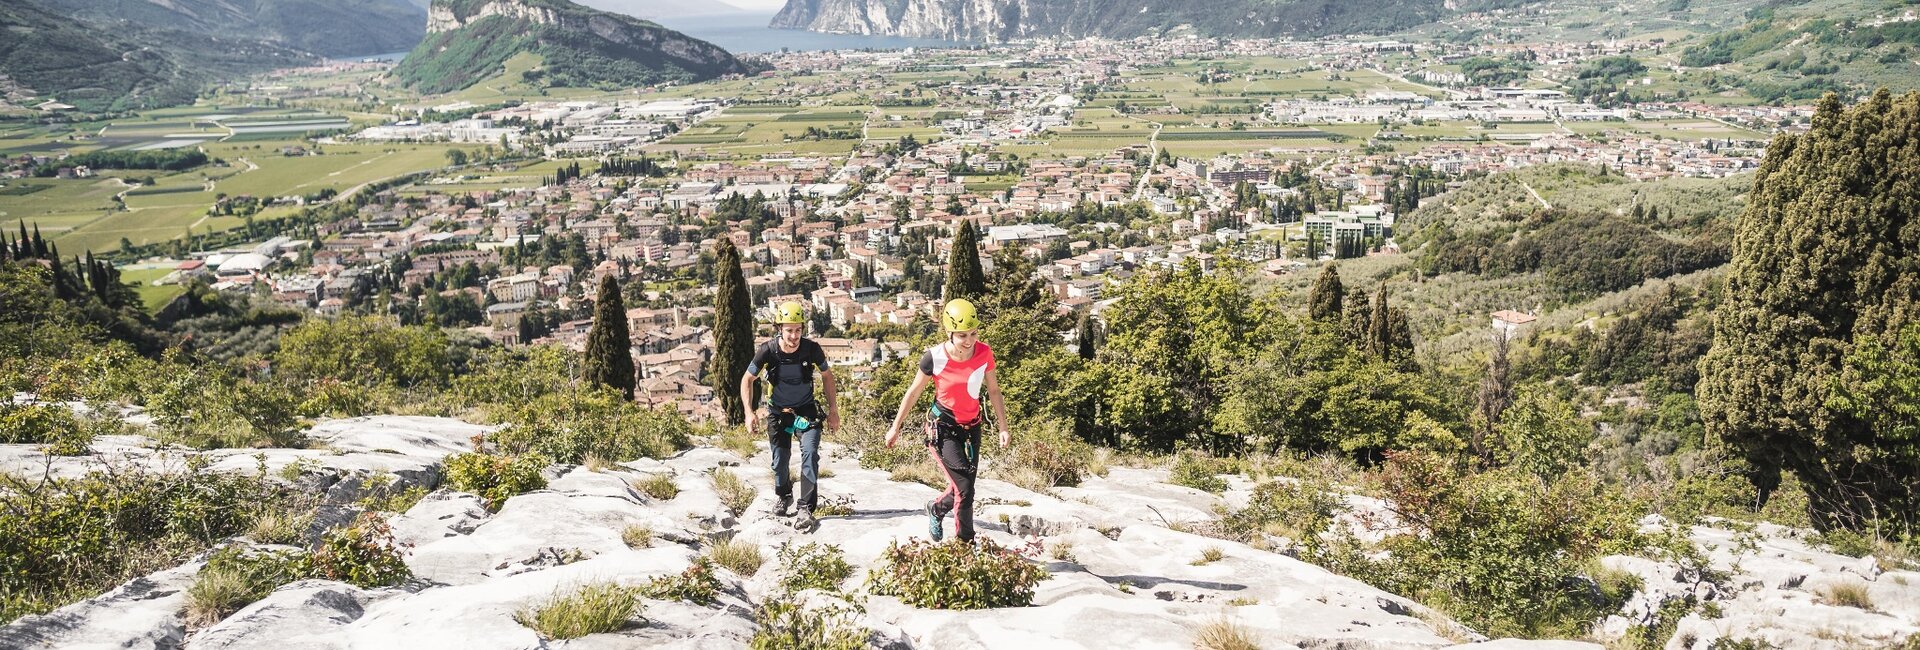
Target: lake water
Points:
(747, 33)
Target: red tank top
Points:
(957, 384)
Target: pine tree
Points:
(732, 330)
(609, 359)
(964, 277)
(1816, 336)
(1324, 302)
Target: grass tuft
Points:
(739, 556)
(637, 536)
(734, 493)
(592, 609)
(1848, 594)
(1224, 634)
(659, 487)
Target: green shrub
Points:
(68, 539)
(1048, 452)
(1847, 542)
(363, 554)
(956, 575)
(659, 487)
(1502, 551)
(696, 585)
(234, 578)
(740, 556)
(364, 349)
(812, 566)
(1201, 472)
(591, 609)
(495, 478)
(734, 493)
(1300, 510)
(782, 624)
(36, 423)
(568, 427)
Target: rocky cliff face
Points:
(1004, 20)
(446, 17)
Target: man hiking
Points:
(790, 361)
(960, 368)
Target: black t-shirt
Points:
(790, 374)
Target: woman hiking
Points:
(961, 369)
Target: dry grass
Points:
(734, 493)
(922, 473)
(659, 487)
(592, 609)
(1211, 555)
(597, 463)
(215, 595)
(1062, 551)
(739, 441)
(1224, 634)
(281, 527)
(637, 536)
(1848, 594)
(736, 555)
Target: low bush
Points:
(35, 423)
(812, 566)
(1046, 454)
(696, 585)
(68, 539)
(495, 478)
(659, 487)
(735, 494)
(737, 555)
(235, 577)
(956, 575)
(567, 427)
(1201, 472)
(783, 624)
(363, 554)
(1300, 510)
(591, 609)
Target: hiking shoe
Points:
(933, 524)
(783, 507)
(804, 522)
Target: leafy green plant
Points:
(1300, 510)
(783, 624)
(812, 566)
(495, 478)
(590, 609)
(363, 554)
(70, 539)
(738, 555)
(568, 427)
(1200, 472)
(735, 494)
(956, 575)
(697, 584)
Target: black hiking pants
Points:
(956, 450)
(780, 442)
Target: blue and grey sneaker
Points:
(933, 524)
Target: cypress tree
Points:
(964, 277)
(1355, 319)
(609, 359)
(1085, 335)
(732, 330)
(1817, 337)
(1379, 324)
(1324, 302)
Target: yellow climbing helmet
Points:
(790, 313)
(960, 316)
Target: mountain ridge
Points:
(324, 27)
(469, 40)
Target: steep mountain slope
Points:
(468, 40)
(651, 9)
(1000, 20)
(99, 68)
(326, 27)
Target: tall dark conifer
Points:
(1324, 303)
(1817, 337)
(609, 359)
(964, 277)
(732, 330)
